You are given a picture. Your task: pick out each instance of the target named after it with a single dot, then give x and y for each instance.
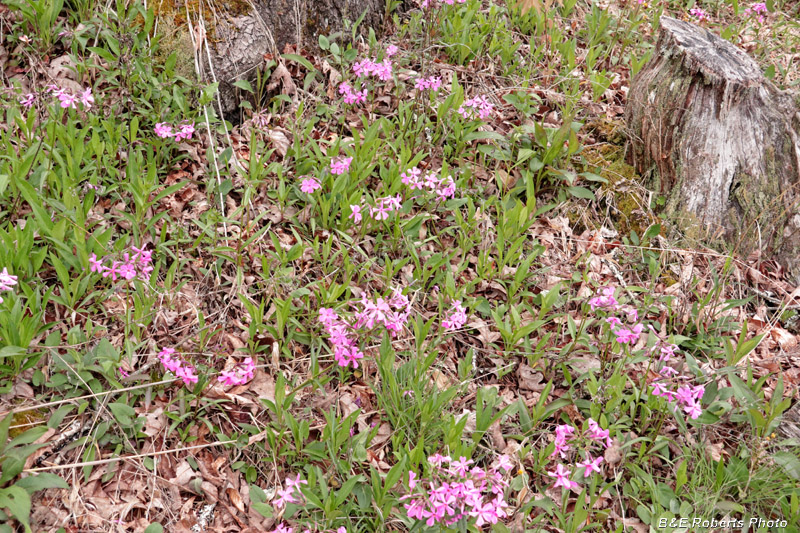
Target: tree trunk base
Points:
(719, 141)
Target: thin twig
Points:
(127, 457)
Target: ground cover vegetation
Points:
(414, 286)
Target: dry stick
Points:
(96, 395)
(205, 112)
(126, 457)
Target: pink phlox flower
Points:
(699, 13)
(446, 188)
(456, 318)
(327, 316)
(433, 83)
(411, 178)
(460, 467)
(562, 477)
(668, 371)
(351, 96)
(411, 481)
(598, 434)
(614, 321)
(186, 373)
(296, 482)
(591, 465)
(607, 299)
(7, 281)
(86, 98)
(283, 529)
(241, 373)
(694, 410)
(27, 100)
(309, 185)
(759, 8)
(504, 463)
(391, 50)
(340, 165)
(561, 445)
(628, 336)
(285, 496)
(355, 213)
(163, 130)
(437, 459)
(67, 100)
(479, 104)
(186, 131)
(127, 271)
(380, 212)
(112, 270)
(484, 514)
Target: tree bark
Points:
(240, 42)
(719, 140)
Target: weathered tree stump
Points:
(241, 33)
(719, 141)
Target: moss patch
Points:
(631, 211)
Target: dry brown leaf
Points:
(279, 140)
(613, 453)
(236, 499)
(530, 379)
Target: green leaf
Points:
(124, 413)
(581, 192)
(484, 135)
(789, 462)
(155, 527)
(243, 85)
(299, 59)
(16, 500)
(324, 43)
(41, 482)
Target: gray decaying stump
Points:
(241, 42)
(720, 141)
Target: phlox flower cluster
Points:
(426, 3)
(351, 96)
(291, 494)
(667, 386)
(479, 105)
(759, 10)
(565, 438)
(624, 334)
(380, 211)
(699, 13)
(456, 490)
(370, 67)
(391, 313)
(6, 281)
(309, 184)
(443, 187)
(606, 300)
(340, 165)
(131, 266)
(65, 98)
(178, 132)
(391, 50)
(283, 528)
(456, 318)
(433, 83)
(241, 373)
(180, 368)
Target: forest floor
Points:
(416, 287)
